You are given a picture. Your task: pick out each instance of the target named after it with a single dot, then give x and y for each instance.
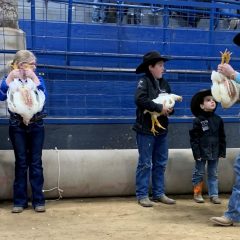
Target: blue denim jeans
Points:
(99, 12)
(27, 143)
(153, 156)
(212, 178)
(233, 211)
(134, 16)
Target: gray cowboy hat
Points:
(236, 39)
(197, 99)
(149, 59)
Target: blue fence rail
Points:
(89, 66)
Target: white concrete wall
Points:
(87, 173)
(10, 39)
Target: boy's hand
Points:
(166, 111)
(169, 110)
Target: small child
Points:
(208, 144)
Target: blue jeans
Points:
(99, 12)
(233, 211)
(27, 143)
(153, 156)
(212, 179)
(135, 15)
(223, 13)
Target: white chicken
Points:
(169, 101)
(224, 90)
(25, 99)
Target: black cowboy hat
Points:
(149, 59)
(197, 99)
(236, 39)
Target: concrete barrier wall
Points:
(92, 173)
(10, 39)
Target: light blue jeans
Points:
(233, 211)
(153, 156)
(212, 179)
(99, 12)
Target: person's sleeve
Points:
(142, 100)
(222, 140)
(3, 90)
(194, 134)
(237, 79)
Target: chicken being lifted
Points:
(224, 90)
(169, 101)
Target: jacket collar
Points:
(154, 81)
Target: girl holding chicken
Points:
(27, 137)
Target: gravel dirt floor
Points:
(116, 218)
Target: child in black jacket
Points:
(207, 138)
(152, 148)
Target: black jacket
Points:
(207, 137)
(148, 89)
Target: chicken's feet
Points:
(155, 122)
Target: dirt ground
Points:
(116, 218)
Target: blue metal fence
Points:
(89, 66)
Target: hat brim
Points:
(236, 39)
(197, 100)
(143, 66)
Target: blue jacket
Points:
(207, 137)
(147, 90)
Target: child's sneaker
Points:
(145, 202)
(198, 198)
(215, 200)
(17, 209)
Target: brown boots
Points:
(198, 193)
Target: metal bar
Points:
(232, 4)
(126, 70)
(69, 29)
(116, 55)
(33, 24)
